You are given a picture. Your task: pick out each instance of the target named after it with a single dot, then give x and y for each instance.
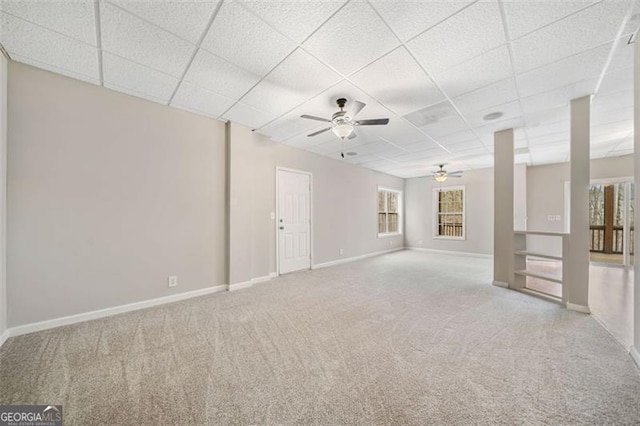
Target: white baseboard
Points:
(4, 336)
(452, 252)
(354, 258)
(500, 284)
(578, 308)
(247, 284)
(101, 313)
(635, 355)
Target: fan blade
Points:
(352, 135)
(449, 175)
(319, 131)
(355, 108)
(313, 117)
(374, 122)
(457, 172)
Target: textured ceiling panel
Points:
(139, 41)
(297, 79)
(486, 97)
(196, 99)
(295, 19)
(467, 34)
(54, 69)
(75, 19)
(509, 111)
(399, 82)
(54, 51)
(476, 73)
(145, 81)
(352, 38)
(570, 36)
(185, 18)
(413, 17)
(524, 17)
(246, 41)
(219, 76)
(248, 116)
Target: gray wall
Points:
(108, 195)
(545, 196)
(479, 213)
(3, 193)
(344, 205)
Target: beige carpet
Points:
(406, 338)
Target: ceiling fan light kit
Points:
(441, 175)
(342, 130)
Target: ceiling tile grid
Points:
(435, 69)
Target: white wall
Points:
(108, 196)
(344, 205)
(479, 213)
(3, 193)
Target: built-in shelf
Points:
(541, 295)
(541, 275)
(541, 255)
(520, 264)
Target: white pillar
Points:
(635, 349)
(576, 265)
(503, 208)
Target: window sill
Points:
(450, 238)
(389, 235)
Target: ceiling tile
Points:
(48, 50)
(352, 38)
(65, 72)
(185, 18)
(196, 99)
(120, 73)
(510, 111)
(457, 138)
(398, 82)
(413, 17)
(219, 76)
(75, 19)
(467, 34)
(134, 39)
(605, 116)
(570, 36)
(620, 80)
(468, 148)
(526, 16)
(486, 97)
(296, 79)
(399, 131)
(586, 66)
(296, 19)
(557, 98)
(245, 40)
(284, 128)
(248, 116)
(476, 73)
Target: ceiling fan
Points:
(343, 123)
(441, 175)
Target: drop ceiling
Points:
(435, 68)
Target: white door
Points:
(294, 222)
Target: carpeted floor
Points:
(405, 338)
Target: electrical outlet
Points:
(173, 281)
(341, 252)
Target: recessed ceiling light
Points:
(492, 116)
(352, 154)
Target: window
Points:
(449, 205)
(389, 209)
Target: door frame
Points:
(277, 216)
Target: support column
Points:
(635, 349)
(503, 208)
(575, 266)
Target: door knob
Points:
(282, 227)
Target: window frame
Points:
(399, 212)
(436, 212)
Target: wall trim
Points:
(500, 284)
(354, 258)
(635, 355)
(4, 336)
(578, 308)
(251, 282)
(452, 252)
(106, 312)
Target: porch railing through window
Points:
(450, 229)
(598, 239)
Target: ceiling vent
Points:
(432, 114)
